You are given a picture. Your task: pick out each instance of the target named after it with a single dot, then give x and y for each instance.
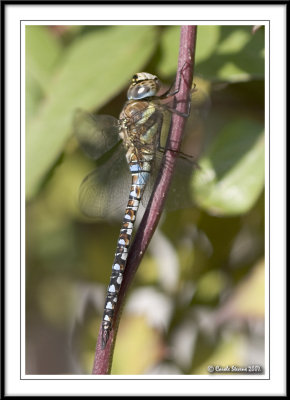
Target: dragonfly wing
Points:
(96, 134)
(179, 195)
(104, 192)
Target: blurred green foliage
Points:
(205, 304)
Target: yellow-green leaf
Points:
(231, 174)
(94, 69)
(42, 50)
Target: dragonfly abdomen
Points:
(140, 171)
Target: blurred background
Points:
(198, 296)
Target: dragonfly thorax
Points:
(143, 85)
(139, 124)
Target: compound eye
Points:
(142, 90)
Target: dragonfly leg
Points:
(168, 92)
(180, 153)
(181, 114)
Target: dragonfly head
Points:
(143, 85)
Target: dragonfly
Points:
(140, 129)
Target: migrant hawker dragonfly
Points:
(140, 127)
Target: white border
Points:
(188, 385)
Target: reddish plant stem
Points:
(103, 358)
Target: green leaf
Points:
(206, 42)
(94, 69)
(231, 176)
(228, 53)
(236, 54)
(42, 50)
(169, 47)
(34, 94)
(210, 286)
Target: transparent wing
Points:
(96, 134)
(195, 133)
(105, 191)
(179, 195)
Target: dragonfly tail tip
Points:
(105, 337)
